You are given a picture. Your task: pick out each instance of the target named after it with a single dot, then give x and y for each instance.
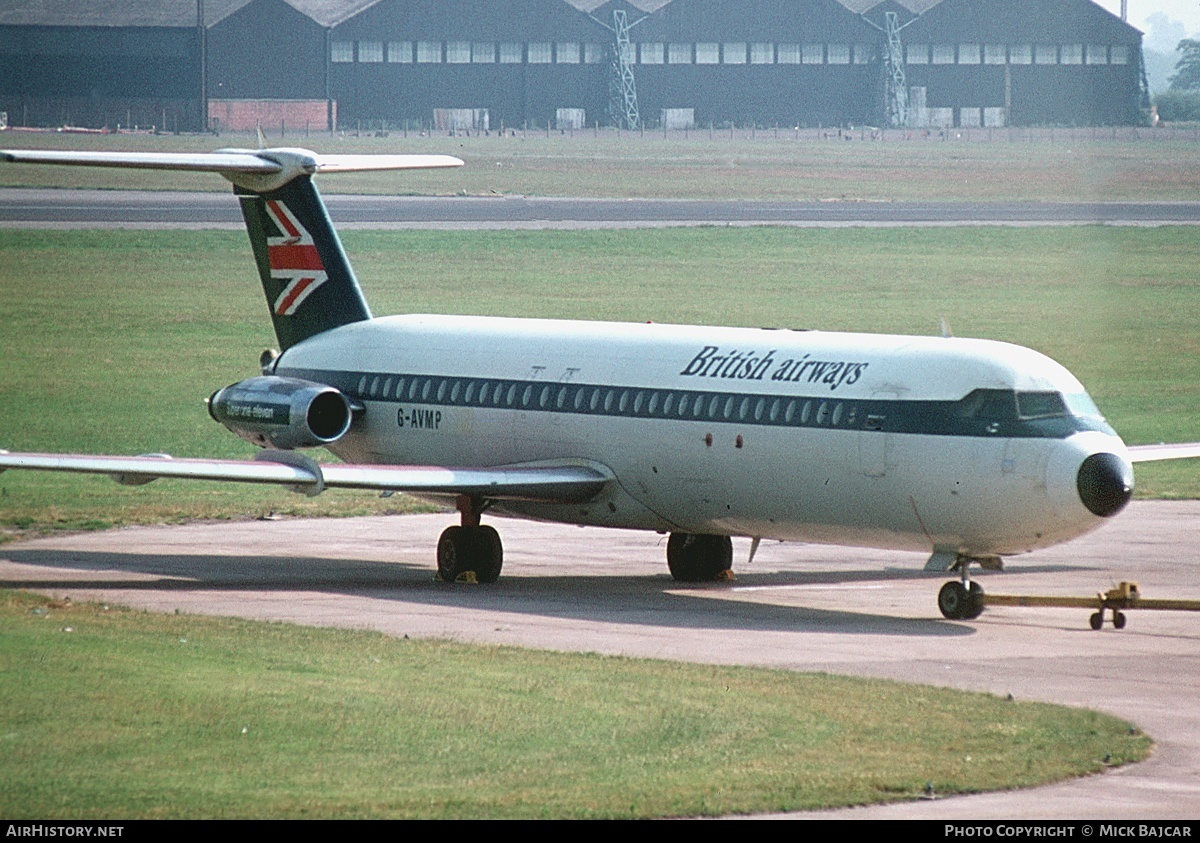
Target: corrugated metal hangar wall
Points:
(514, 63)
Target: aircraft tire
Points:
(1118, 619)
(698, 558)
(1096, 620)
(974, 606)
(489, 554)
(453, 553)
(954, 601)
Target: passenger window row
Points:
(610, 400)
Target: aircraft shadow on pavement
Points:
(645, 600)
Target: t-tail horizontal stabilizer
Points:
(309, 284)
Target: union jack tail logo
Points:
(293, 258)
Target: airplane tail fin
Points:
(308, 281)
(305, 274)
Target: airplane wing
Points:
(1153, 453)
(538, 482)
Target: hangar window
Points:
(789, 54)
(918, 53)
(762, 53)
(341, 51)
(1045, 54)
(650, 52)
(1119, 54)
(483, 52)
(400, 52)
(733, 52)
(968, 54)
(429, 52)
(593, 54)
(511, 54)
(458, 52)
(539, 52)
(1097, 54)
(864, 53)
(1020, 54)
(567, 52)
(943, 54)
(1072, 54)
(994, 54)
(370, 51)
(707, 52)
(839, 53)
(679, 54)
(813, 53)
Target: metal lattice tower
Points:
(897, 85)
(622, 87)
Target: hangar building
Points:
(489, 63)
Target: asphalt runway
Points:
(797, 607)
(29, 208)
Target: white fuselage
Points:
(800, 435)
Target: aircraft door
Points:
(876, 444)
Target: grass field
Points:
(1049, 165)
(118, 714)
(113, 339)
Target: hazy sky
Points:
(1163, 21)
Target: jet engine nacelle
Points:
(275, 412)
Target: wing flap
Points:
(1154, 453)
(541, 483)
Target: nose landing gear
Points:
(961, 601)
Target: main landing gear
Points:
(471, 548)
(699, 558)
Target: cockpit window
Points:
(1081, 404)
(1041, 405)
(988, 405)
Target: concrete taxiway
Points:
(33, 208)
(798, 607)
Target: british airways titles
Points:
(711, 362)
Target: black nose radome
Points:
(1105, 484)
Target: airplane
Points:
(967, 449)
